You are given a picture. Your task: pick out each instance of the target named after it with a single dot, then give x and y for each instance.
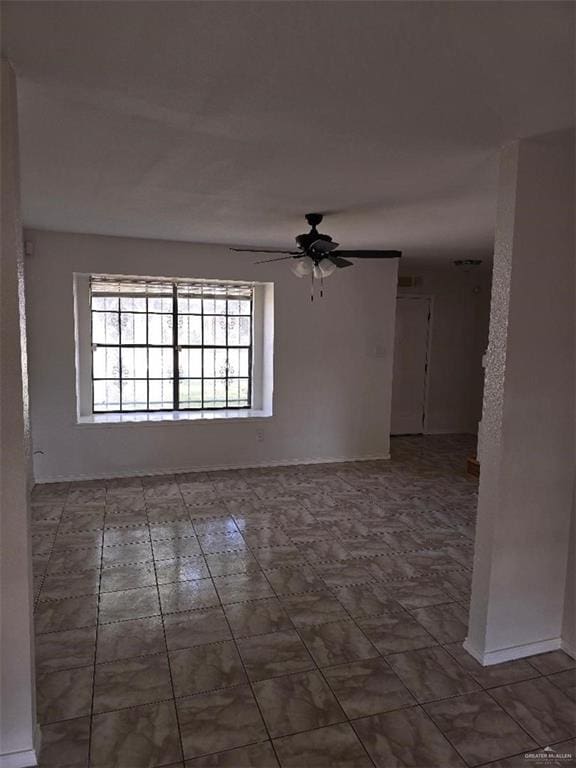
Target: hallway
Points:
(300, 616)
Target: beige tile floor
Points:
(304, 617)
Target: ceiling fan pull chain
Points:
(312, 286)
(321, 285)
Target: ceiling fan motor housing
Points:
(305, 240)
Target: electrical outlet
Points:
(260, 435)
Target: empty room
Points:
(288, 379)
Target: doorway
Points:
(411, 343)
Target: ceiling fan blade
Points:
(340, 262)
(323, 246)
(264, 250)
(370, 254)
(279, 258)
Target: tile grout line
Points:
(45, 573)
(222, 608)
(327, 682)
(91, 721)
(37, 601)
(179, 729)
(511, 716)
(319, 670)
(413, 705)
(448, 740)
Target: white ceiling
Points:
(227, 121)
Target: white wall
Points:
(17, 699)
(569, 617)
(527, 476)
(333, 364)
(459, 335)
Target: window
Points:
(161, 345)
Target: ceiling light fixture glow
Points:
(302, 267)
(324, 268)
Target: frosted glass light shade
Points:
(324, 268)
(302, 267)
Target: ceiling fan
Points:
(316, 256)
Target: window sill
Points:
(172, 417)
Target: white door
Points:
(410, 365)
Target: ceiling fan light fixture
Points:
(302, 267)
(317, 255)
(324, 268)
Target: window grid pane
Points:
(170, 346)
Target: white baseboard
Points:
(24, 759)
(454, 431)
(488, 658)
(209, 468)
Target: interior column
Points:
(527, 436)
(17, 700)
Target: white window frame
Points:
(262, 364)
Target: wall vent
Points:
(409, 281)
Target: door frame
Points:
(430, 299)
